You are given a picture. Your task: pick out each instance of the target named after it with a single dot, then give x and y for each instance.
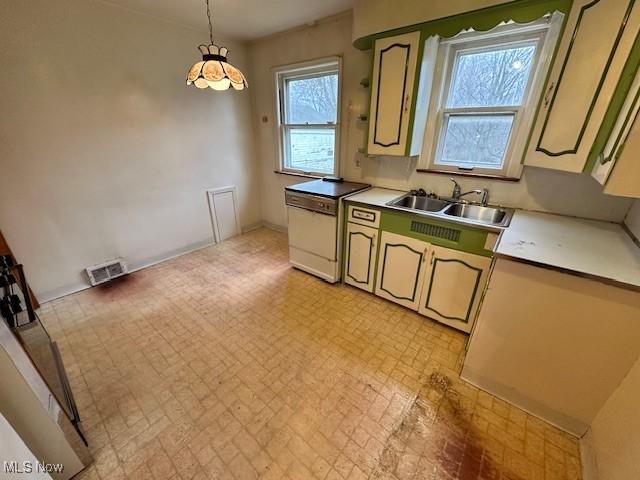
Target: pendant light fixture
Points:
(214, 71)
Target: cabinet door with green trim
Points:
(361, 251)
(453, 287)
(394, 69)
(596, 43)
(401, 267)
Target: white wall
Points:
(539, 189)
(104, 151)
(615, 432)
(632, 220)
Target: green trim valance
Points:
(520, 11)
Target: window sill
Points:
(469, 174)
(298, 174)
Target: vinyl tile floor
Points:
(227, 363)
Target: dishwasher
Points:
(315, 217)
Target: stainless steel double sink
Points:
(469, 213)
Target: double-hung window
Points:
(484, 97)
(308, 117)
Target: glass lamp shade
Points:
(214, 71)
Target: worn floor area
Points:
(227, 363)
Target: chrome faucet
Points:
(457, 194)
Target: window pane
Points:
(310, 149)
(312, 100)
(494, 78)
(476, 140)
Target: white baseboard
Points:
(178, 252)
(252, 227)
(571, 425)
(276, 227)
(48, 296)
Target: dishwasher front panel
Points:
(313, 232)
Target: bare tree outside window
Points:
(475, 131)
(310, 117)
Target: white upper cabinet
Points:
(617, 166)
(596, 43)
(394, 74)
(401, 266)
(453, 286)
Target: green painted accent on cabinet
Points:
(348, 254)
(521, 11)
(414, 95)
(473, 295)
(418, 271)
(603, 76)
(615, 107)
(471, 240)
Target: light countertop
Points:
(587, 247)
(377, 197)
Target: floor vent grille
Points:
(106, 271)
(445, 233)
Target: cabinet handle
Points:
(546, 97)
(433, 255)
(424, 254)
(604, 160)
(406, 103)
(373, 242)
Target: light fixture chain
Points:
(210, 24)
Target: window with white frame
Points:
(483, 97)
(308, 117)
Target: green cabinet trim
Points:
(471, 240)
(600, 82)
(615, 106)
(407, 47)
(418, 272)
(520, 11)
(374, 213)
(414, 95)
(473, 295)
(349, 249)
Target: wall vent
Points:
(445, 233)
(106, 271)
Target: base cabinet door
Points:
(361, 250)
(401, 266)
(453, 286)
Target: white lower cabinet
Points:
(453, 286)
(401, 267)
(361, 250)
(440, 283)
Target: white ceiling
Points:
(239, 19)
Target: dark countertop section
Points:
(328, 189)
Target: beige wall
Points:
(561, 363)
(104, 151)
(632, 220)
(328, 37)
(615, 432)
(539, 189)
(374, 16)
